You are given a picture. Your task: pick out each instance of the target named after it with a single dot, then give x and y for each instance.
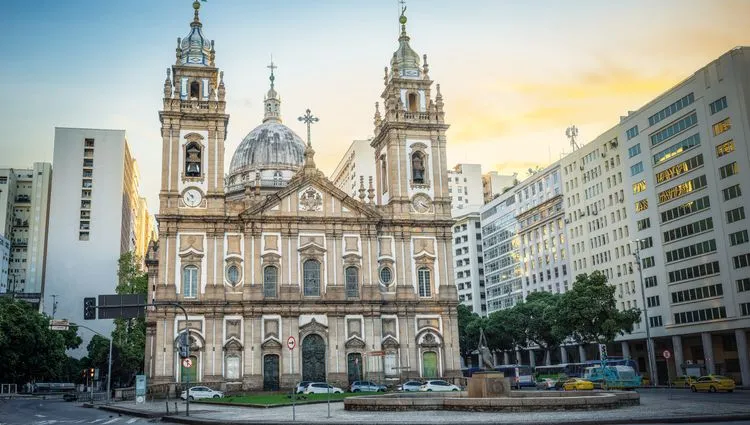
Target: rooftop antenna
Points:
(572, 132)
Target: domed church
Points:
(271, 252)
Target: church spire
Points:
(405, 60)
(196, 49)
(272, 102)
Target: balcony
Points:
(23, 199)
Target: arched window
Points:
(233, 274)
(384, 174)
(190, 281)
(195, 90)
(352, 281)
(270, 280)
(193, 160)
(413, 102)
(423, 277)
(277, 178)
(311, 275)
(417, 167)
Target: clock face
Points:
(192, 197)
(421, 203)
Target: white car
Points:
(437, 385)
(546, 384)
(322, 388)
(409, 386)
(201, 392)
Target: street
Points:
(48, 412)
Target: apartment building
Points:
(502, 265)
(688, 168)
(356, 167)
(95, 206)
(24, 212)
(4, 257)
(468, 255)
(465, 188)
(493, 184)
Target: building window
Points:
(736, 214)
(417, 168)
(687, 230)
(718, 105)
(83, 236)
(700, 248)
(193, 160)
(741, 261)
(89, 143)
(632, 132)
(731, 192)
(352, 282)
(745, 309)
(683, 189)
(679, 169)
(700, 315)
(648, 262)
(270, 281)
(311, 272)
(674, 129)
(699, 293)
(639, 186)
(384, 174)
(233, 275)
(738, 238)
(725, 148)
(743, 285)
(671, 109)
(694, 272)
(423, 276)
(644, 223)
(655, 321)
(687, 208)
(636, 169)
(650, 281)
(641, 205)
(677, 149)
(721, 126)
(728, 170)
(386, 276)
(646, 242)
(190, 281)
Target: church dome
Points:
(271, 145)
(195, 48)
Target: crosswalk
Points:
(102, 421)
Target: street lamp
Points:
(649, 341)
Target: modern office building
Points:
(4, 257)
(465, 188)
(24, 211)
(356, 167)
(688, 168)
(469, 267)
(94, 208)
(493, 184)
(502, 262)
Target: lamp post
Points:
(649, 341)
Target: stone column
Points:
(563, 355)
(547, 358)
(708, 352)
(582, 353)
(518, 357)
(742, 353)
(532, 358)
(506, 357)
(625, 349)
(678, 354)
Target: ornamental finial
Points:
(272, 67)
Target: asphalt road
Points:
(49, 412)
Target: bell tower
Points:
(409, 141)
(193, 127)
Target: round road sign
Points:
(666, 354)
(291, 343)
(187, 363)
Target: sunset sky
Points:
(514, 73)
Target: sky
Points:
(512, 72)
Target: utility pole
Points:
(649, 341)
(54, 305)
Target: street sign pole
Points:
(291, 343)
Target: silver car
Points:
(409, 386)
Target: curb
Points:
(131, 412)
(267, 406)
(664, 420)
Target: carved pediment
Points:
(310, 200)
(430, 340)
(418, 146)
(352, 259)
(193, 137)
(312, 250)
(424, 259)
(390, 343)
(191, 257)
(233, 345)
(312, 327)
(270, 257)
(355, 342)
(271, 344)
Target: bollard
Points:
(176, 410)
(167, 403)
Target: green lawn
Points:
(281, 399)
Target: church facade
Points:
(272, 249)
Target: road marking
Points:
(112, 420)
(132, 420)
(40, 416)
(95, 421)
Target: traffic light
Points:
(91, 373)
(89, 308)
(603, 351)
(183, 345)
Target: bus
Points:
(620, 377)
(616, 361)
(559, 371)
(520, 375)
(52, 387)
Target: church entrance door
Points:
(354, 367)
(313, 358)
(271, 372)
(429, 364)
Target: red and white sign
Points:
(188, 363)
(291, 343)
(666, 354)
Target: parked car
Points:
(301, 386)
(409, 386)
(322, 388)
(201, 392)
(684, 381)
(366, 386)
(546, 384)
(438, 385)
(713, 383)
(70, 396)
(578, 384)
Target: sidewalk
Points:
(656, 407)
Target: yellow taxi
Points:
(577, 384)
(684, 381)
(713, 383)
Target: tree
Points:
(29, 350)
(468, 335)
(537, 320)
(589, 311)
(129, 335)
